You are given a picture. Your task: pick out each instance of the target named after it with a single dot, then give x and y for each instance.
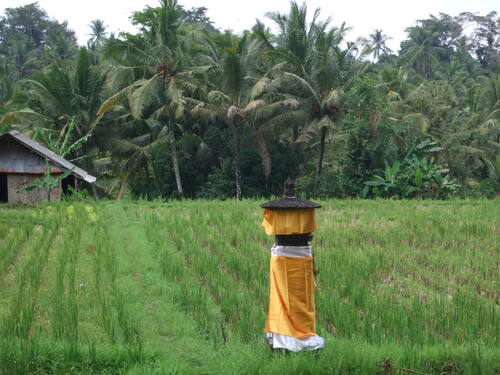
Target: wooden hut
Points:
(23, 160)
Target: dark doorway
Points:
(4, 194)
(66, 183)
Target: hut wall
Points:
(15, 158)
(15, 182)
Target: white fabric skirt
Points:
(277, 341)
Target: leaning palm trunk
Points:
(175, 163)
(237, 149)
(123, 188)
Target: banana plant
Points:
(389, 183)
(48, 182)
(414, 178)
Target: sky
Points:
(392, 16)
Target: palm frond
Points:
(82, 74)
(22, 115)
(144, 95)
(116, 99)
(334, 98)
(264, 111)
(306, 134)
(418, 121)
(253, 105)
(218, 97)
(260, 87)
(326, 122)
(40, 92)
(234, 111)
(295, 83)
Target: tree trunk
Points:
(94, 192)
(110, 189)
(152, 175)
(175, 163)
(237, 166)
(321, 151)
(123, 187)
(264, 154)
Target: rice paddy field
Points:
(404, 287)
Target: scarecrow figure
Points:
(291, 319)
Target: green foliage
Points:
(376, 44)
(220, 184)
(26, 32)
(4, 128)
(179, 109)
(414, 178)
(48, 182)
(197, 15)
(329, 184)
(66, 144)
(368, 135)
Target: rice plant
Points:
(182, 287)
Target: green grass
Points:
(182, 288)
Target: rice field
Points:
(404, 287)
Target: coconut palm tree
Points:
(63, 101)
(421, 51)
(137, 153)
(150, 74)
(98, 33)
(8, 78)
(313, 69)
(377, 44)
(236, 94)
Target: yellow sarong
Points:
(296, 221)
(292, 311)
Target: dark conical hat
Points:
(289, 201)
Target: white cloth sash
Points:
(292, 251)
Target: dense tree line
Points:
(181, 109)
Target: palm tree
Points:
(98, 33)
(64, 101)
(8, 78)
(480, 114)
(236, 94)
(151, 76)
(313, 69)
(62, 104)
(422, 52)
(377, 44)
(137, 153)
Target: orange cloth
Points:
(292, 311)
(295, 221)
